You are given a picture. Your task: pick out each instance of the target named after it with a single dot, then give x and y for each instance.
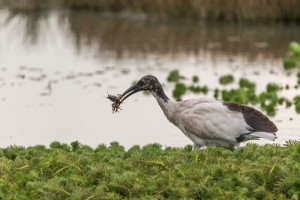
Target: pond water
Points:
(57, 67)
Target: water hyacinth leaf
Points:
(297, 103)
(293, 59)
(294, 48)
(268, 102)
(288, 103)
(198, 89)
(245, 94)
(179, 91)
(195, 79)
(245, 83)
(297, 99)
(216, 93)
(289, 63)
(281, 100)
(272, 87)
(226, 79)
(174, 76)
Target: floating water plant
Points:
(293, 58)
(294, 49)
(179, 90)
(297, 103)
(272, 87)
(174, 76)
(246, 93)
(245, 83)
(195, 79)
(198, 89)
(226, 79)
(268, 101)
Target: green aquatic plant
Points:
(245, 83)
(293, 58)
(226, 79)
(174, 76)
(246, 93)
(294, 48)
(78, 171)
(236, 95)
(288, 63)
(179, 90)
(195, 79)
(216, 93)
(198, 89)
(268, 101)
(297, 103)
(272, 87)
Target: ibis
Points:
(209, 122)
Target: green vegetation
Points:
(297, 103)
(293, 58)
(181, 88)
(226, 79)
(213, 10)
(174, 76)
(195, 78)
(80, 172)
(244, 94)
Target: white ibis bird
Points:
(209, 122)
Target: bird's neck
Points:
(164, 102)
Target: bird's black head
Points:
(149, 83)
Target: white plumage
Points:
(208, 122)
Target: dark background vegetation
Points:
(204, 10)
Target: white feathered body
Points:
(209, 122)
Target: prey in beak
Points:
(118, 99)
(116, 102)
(145, 83)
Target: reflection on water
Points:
(139, 37)
(56, 68)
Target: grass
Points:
(109, 172)
(203, 10)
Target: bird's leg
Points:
(196, 146)
(230, 148)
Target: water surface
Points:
(57, 67)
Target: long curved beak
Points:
(130, 91)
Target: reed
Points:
(203, 10)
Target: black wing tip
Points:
(255, 119)
(275, 129)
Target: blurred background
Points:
(59, 59)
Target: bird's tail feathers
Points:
(265, 135)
